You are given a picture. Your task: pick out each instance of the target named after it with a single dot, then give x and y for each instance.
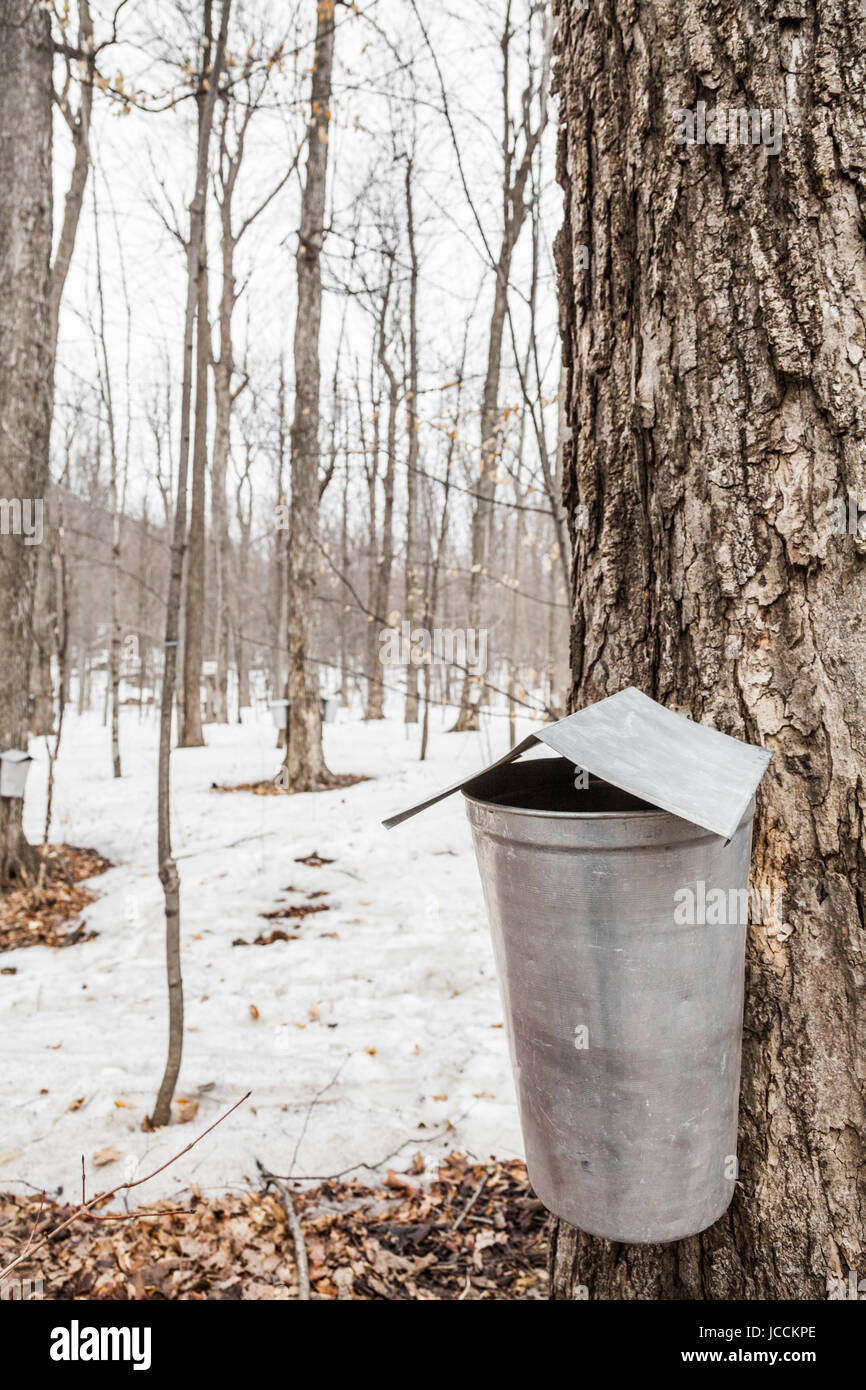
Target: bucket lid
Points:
(633, 742)
(15, 755)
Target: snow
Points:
(379, 1032)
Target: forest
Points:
(399, 400)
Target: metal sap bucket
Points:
(624, 1023)
(618, 905)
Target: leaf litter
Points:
(34, 916)
(465, 1231)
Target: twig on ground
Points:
(86, 1208)
(294, 1225)
(472, 1200)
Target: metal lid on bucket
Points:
(634, 743)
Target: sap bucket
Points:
(616, 882)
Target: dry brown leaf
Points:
(107, 1155)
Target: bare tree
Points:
(26, 366)
(116, 492)
(83, 55)
(237, 111)
(244, 513)
(191, 734)
(30, 296)
(518, 147)
(385, 556)
(370, 456)
(168, 873)
(305, 762)
(438, 553)
(413, 590)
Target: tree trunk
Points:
(373, 670)
(717, 409)
(79, 128)
(112, 679)
(223, 370)
(41, 685)
(141, 609)
(414, 594)
(343, 656)
(281, 546)
(305, 762)
(168, 874)
(467, 719)
(219, 512)
(26, 366)
(385, 558)
(516, 170)
(245, 526)
(191, 733)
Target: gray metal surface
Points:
(686, 768)
(694, 772)
(631, 1136)
(410, 811)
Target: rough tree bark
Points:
(26, 364)
(305, 762)
(715, 370)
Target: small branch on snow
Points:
(85, 1210)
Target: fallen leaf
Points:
(254, 1013)
(106, 1155)
(76, 1104)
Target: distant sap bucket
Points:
(329, 709)
(14, 767)
(624, 1022)
(281, 711)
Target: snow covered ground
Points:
(379, 1030)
